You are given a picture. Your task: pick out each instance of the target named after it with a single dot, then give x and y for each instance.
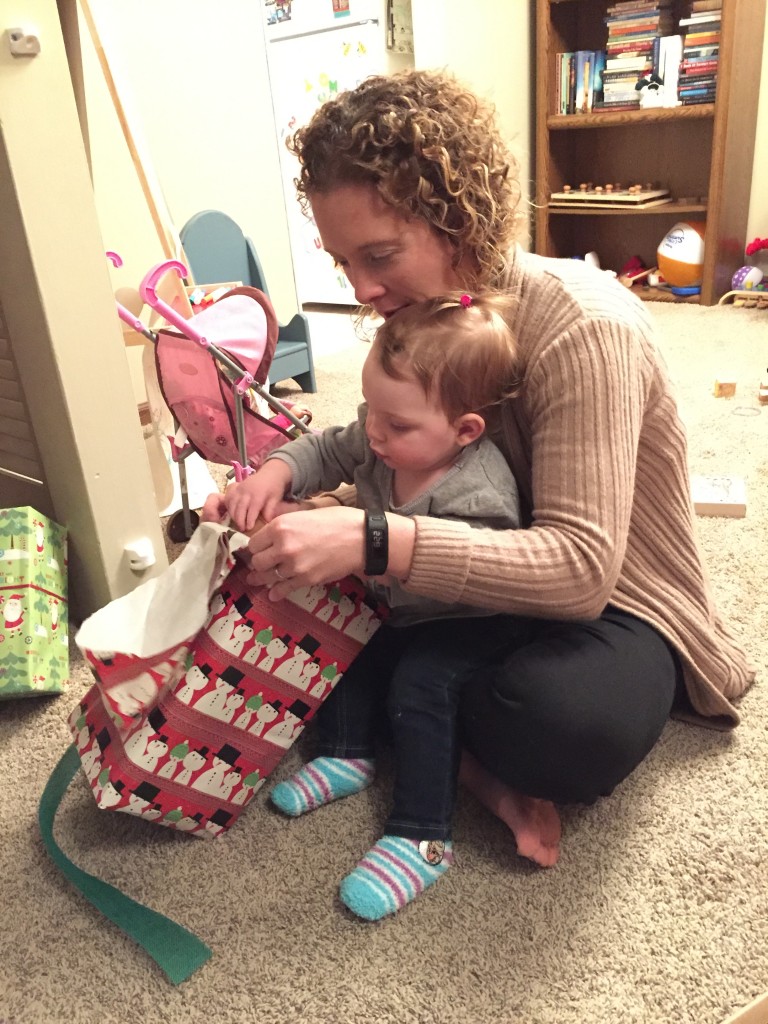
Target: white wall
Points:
(195, 73)
(757, 225)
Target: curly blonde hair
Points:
(432, 150)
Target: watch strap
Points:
(376, 543)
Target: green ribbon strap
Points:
(174, 949)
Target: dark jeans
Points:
(559, 710)
(413, 675)
(570, 711)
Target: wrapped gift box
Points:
(34, 646)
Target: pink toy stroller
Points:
(212, 371)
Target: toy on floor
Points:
(634, 270)
(749, 285)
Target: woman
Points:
(413, 195)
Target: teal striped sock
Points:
(321, 781)
(393, 874)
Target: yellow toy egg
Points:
(681, 254)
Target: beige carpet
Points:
(657, 912)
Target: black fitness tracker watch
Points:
(376, 543)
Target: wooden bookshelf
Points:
(703, 154)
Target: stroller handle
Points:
(122, 311)
(147, 290)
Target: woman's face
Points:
(390, 261)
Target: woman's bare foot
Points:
(534, 823)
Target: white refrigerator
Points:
(316, 49)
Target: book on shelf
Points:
(627, 75)
(615, 64)
(706, 5)
(578, 80)
(625, 6)
(700, 51)
(692, 101)
(702, 38)
(704, 78)
(698, 65)
(700, 20)
(562, 100)
(584, 62)
(668, 53)
(617, 105)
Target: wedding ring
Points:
(279, 575)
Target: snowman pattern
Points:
(364, 624)
(211, 780)
(284, 732)
(222, 692)
(221, 629)
(292, 668)
(214, 701)
(196, 678)
(263, 637)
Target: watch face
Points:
(376, 544)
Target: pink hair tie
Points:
(466, 301)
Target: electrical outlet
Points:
(23, 44)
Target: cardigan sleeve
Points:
(580, 420)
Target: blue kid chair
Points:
(216, 250)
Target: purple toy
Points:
(746, 277)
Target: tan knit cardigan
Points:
(599, 453)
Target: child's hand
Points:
(215, 509)
(260, 495)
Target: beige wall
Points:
(758, 205)
(488, 46)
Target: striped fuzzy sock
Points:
(393, 873)
(321, 781)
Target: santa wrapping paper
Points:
(34, 647)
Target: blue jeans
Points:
(413, 676)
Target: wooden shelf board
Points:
(613, 118)
(661, 208)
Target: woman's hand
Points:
(321, 546)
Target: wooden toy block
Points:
(719, 496)
(725, 388)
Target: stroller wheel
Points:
(177, 531)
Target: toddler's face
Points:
(406, 429)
